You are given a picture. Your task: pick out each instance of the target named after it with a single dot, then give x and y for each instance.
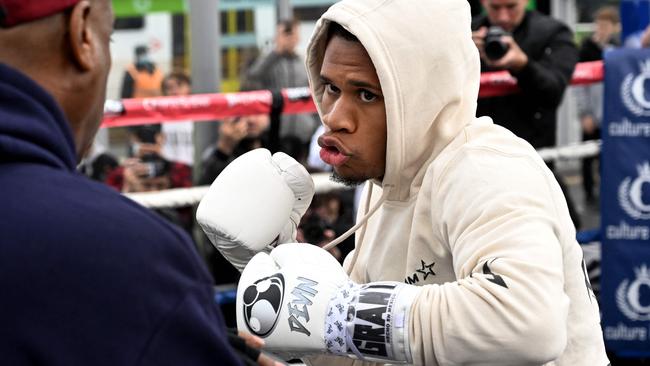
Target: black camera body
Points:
(313, 228)
(156, 165)
(494, 47)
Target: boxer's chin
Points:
(347, 181)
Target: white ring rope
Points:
(579, 150)
(175, 197)
(181, 197)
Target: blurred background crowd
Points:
(261, 45)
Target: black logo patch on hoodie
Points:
(421, 273)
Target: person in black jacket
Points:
(541, 56)
(540, 53)
(237, 135)
(282, 67)
(87, 276)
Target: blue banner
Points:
(635, 16)
(625, 203)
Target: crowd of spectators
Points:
(161, 156)
(539, 51)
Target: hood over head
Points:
(429, 71)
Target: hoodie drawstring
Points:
(362, 222)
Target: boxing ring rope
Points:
(181, 197)
(579, 150)
(210, 107)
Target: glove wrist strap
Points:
(370, 322)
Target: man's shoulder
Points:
(68, 219)
(482, 146)
(69, 204)
(539, 22)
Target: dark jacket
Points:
(592, 51)
(87, 276)
(216, 161)
(276, 71)
(552, 54)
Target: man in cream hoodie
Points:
(466, 254)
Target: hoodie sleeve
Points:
(498, 215)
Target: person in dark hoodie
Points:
(87, 276)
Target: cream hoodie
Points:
(466, 210)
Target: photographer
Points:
(146, 166)
(237, 135)
(329, 215)
(540, 53)
(146, 170)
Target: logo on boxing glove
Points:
(262, 303)
(299, 306)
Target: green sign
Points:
(532, 4)
(244, 4)
(125, 8)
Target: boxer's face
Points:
(353, 110)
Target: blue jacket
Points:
(88, 277)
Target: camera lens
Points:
(494, 47)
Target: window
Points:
(129, 23)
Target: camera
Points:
(153, 170)
(156, 166)
(313, 228)
(494, 47)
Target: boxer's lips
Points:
(332, 152)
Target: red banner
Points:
(502, 83)
(196, 107)
(207, 107)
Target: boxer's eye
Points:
(331, 89)
(367, 96)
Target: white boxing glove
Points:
(255, 203)
(300, 301)
(302, 186)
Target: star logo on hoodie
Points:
(426, 270)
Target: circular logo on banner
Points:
(262, 302)
(633, 91)
(628, 297)
(630, 194)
